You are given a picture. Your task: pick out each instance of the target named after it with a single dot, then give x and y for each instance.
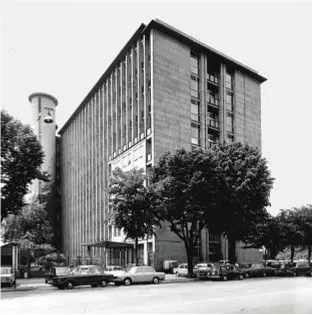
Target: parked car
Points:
(83, 275)
(302, 268)
(181, 270)
(140, 274)
(7, 276)
(54, 272)
(285, 269)
(201, 270)
(225, 272)
(116, 271)
(256, 270)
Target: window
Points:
(195, 134)
(229, 123)
(229, 101)
(195, 110)
(229, 81)
(194, 63)
(194, 86)
(230, 138)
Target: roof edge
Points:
(136, 34)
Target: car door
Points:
(149, 274)
(138, 275)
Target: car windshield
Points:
(131, 269)
(62, 271)
(5, 270)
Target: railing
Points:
(213, 123)
(213, 78)
(212, 100)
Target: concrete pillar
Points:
(145, 253)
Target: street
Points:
(262, 295)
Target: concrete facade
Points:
(164, 90)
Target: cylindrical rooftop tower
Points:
(43, 107)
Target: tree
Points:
(304, 217)
(246, 193)
(131, 203)
(267, 234)
(291, 230)
(21, 157)
(188, 187)
(31, 228)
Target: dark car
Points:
(225, 272)
(256, 270)
(83, 275)
(302, 269)
(56, 271)
(286, 269)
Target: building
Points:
(164, 90)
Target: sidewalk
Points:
(35, 283)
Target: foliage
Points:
(188, 188)
(131, 203)
(31, 229)
(246, 192)
(52, 259)
(21, 157)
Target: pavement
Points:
(35, 283)
(252, 296)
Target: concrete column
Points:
(202, 98)
(145, 252)
(222, 112)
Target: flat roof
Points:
(172, 32)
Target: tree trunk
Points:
(309, 255)
(292, 253)
(232, 251)
(190, 255)
(136, 251)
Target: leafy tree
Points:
(21, 157)
(131, 203)
(188, 187)
(32, 230)
(246, 193)
(304, 219)
(267, 234)
(291, 231)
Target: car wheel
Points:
(103, 283)
(241, 277)
(70, 285)
(224, 278)
(264, 274)
(155, 280)
(247, 275)
(177, 274)
(127, 281)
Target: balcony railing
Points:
(213, 123)
(212, 100)
(213, 78)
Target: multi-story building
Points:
(164, 90)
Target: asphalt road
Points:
(262, 295)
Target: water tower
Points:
(43, 114)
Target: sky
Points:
(63, 47)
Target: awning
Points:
(109, 244)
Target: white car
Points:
(115, 270)
(181, 270)
(7, 276)
(139, 274)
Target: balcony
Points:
(213, 78)
(211, 100)
(213, 123)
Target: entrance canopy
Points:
(109, 244)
